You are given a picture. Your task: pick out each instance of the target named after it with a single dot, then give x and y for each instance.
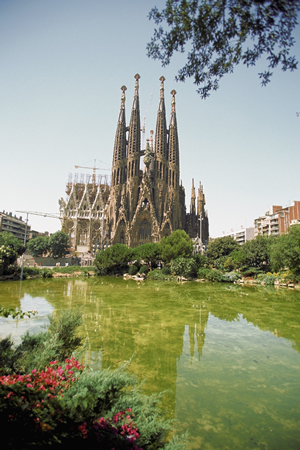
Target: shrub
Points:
(113, 260)
(133, 269)
(251, 271)
(268, 279)
(157, 274)
(61, 403)
(201, 260)
(166, 270)
(231, 277)
(219, 263)
(31, 272)
(46, 273)
(144, 269)
(185, 267)
(210, 275)
(229, 264)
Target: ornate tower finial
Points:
(123, 89)
(162, 79)
(173, 93)
(151, 139)
(136, 90)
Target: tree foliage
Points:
(220, 247)
(39, 246)
(113, 259)
(175, 245)
(184, 267)
(285, 251)
(149, 252)
(9, 240)
(257, 252)
(220, 34)
(59, 244)
(10, 249)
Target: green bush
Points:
(46, 273)
(157, 274)
(219, 263)
(113, 260)
(210, 275)
(47, 398)
(231, 277)
(133, 269)
(184, 267)
(201, 260)
(251, 271)
(267, 279)
(166, 270)
(31, 272)
(144, 269)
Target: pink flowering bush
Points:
(57, 401)
(32, 410)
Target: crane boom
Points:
(91, 168)
(36, 213)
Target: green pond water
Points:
(228, 354)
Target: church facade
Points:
(139, 206)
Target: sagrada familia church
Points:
(139, 206)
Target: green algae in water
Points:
(229, 354)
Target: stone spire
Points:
(134, 138)
(161, 126)
(120, 139)
(200, 200)
(134, 152)
(173, 147)
(193, 198)
(119, 154)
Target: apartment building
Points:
(243, 235)
(277, 219)
(15, 225)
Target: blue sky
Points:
(62, 65)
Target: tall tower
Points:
(119, 166)
(161, 155)
(173, 168)
(173, 178)
(193, 199)
(134, 150)
(119, 162)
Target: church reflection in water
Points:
(150, 333)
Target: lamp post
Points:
(25, 237)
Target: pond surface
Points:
(228, 354)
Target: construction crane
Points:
(93, 169)
(35, 213)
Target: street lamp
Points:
(25, 238)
